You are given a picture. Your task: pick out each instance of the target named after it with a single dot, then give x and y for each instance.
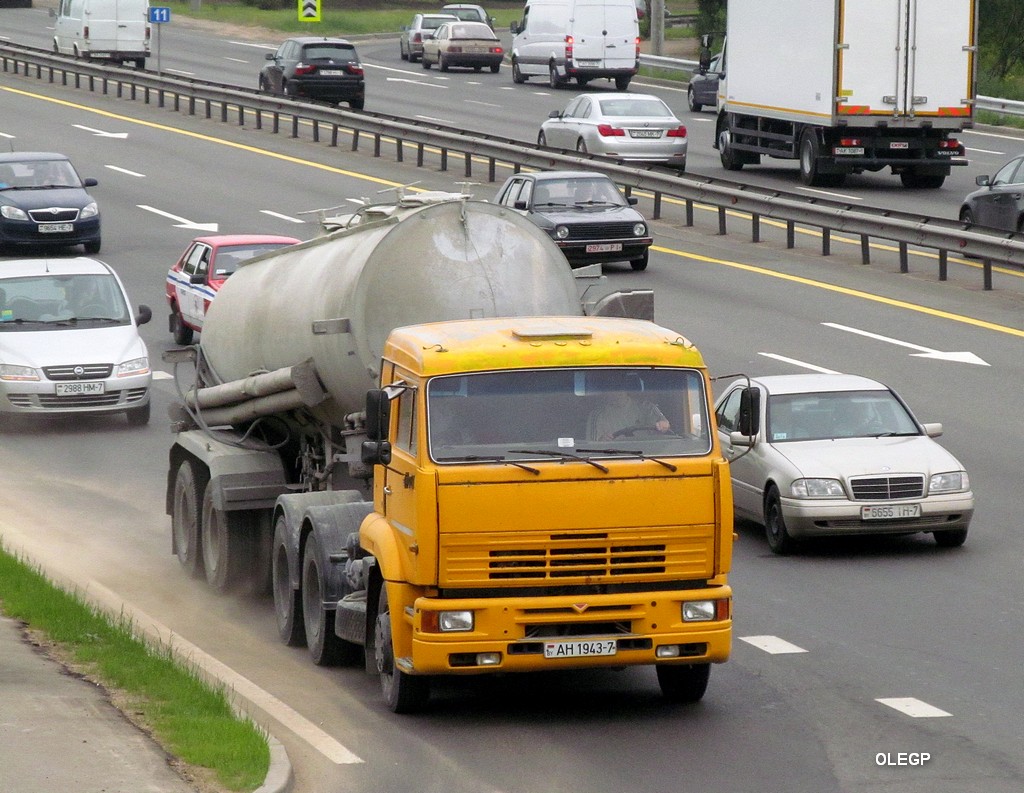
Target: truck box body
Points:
(877, 67)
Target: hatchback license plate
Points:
(580, 649)
(891, 512)
(645, 133)
(78, 389)
(604, 247)
(55, 228)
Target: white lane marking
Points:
(985, 151)
(432, 118)
(236, 60)
(801, 364)
(181, 72)
(485, 104)
(125, 171)
(5, 135)
(253, 44)
(922, 352)
(914, 708)
(281, 217)
(101, 133)
(414, 82)
(844, 196)
(772, 644)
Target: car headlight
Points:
(950, 482)
(13, 213)
(89, 211)
(133, 367)
(639, 229)
(11, 372)
(817, 488)
(561, 232)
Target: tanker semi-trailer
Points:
(438, 350)
(846, 86)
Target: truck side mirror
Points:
(750, 412)
(378, 414)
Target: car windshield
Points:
(623, 107)
(530, 415)
(35, 174)
(837, 414)
(61, 301)
(570, 192)
(230, 257)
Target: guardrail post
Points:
(943, 264)
(223, 112)
(790, 234)
(209, 108)
(657, 206)
(334, 134)
(241, 115)
(987, 270)
(355, 140)
(469, 165)
(826, 241)
(755, 227)
(444, 159)
(376, 144)
(295, 126)
(316, 131)
(177, 102)
(420, 148)
(721, 221)
(159, 97)
(259, 118)
(277, 122)
(865, 249)
(399, 150)
(491, 169)
(904, 258)
(689, 212)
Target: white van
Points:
(581, 39)
(112, 30)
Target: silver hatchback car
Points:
(630, 127)
(814, 455)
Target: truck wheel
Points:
(517, 76)
(403, 693)
(809, 152)
(287, 603)
(187, 516)
(951, 538)
(325, 648)
(639, 265)
(683, 683)
(729, 159)
(181, 332)
(779, 539)
(691, 100)
(223, 546)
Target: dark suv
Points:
(315, 68)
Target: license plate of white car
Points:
(55, 228)
(604, 247)
(890, 512)
(580, 649)
(645, 133)
(79, 389)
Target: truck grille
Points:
(887, 488)
(588, 562)
(89, 371)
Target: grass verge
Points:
(188, 718)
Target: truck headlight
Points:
(447, 621)
(133, 367)
(817, 488)
(698, 610)
(951, 482)
(9, 371)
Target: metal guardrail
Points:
(244, 106)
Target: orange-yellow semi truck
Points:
(543, 487)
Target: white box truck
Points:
(846, 86)
(109, 30)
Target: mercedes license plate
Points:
(55, 228)
(79, 389)
(580, 649)
(645, 133)
(891, 512)
(604, 247)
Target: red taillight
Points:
(638, 47)
(608, 131)
(305, 68)
(455, 49)
(353, 69)
(417, 37)
(497, 50)
(949, 143)
(849, 141)
(678, 132)
(568, 47)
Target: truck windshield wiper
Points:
(485, 458)
(630, 453)
(564, 456)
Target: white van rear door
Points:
(605, 35)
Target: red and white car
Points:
(200, 272)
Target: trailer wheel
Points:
(223, 545)
(725, 152)
(683, 683)
(187, 517)
(287, 603)
(809, 151)
(403, 693)
(325, 648)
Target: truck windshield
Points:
(518, 415)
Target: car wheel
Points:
(639, 265)
(181, 332)
(622, 82)
(424, 62)
(517, 75)
(403, 693)
(542, 139)
(683, 683)
(139, 417)
(554, 81)
(93, 247)
(442, 63)
(402, 53)
(725, 152)
(691, 100)
(951, 538)
(779, 539)
(495, 68)
(967, 216)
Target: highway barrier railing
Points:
(420, 139)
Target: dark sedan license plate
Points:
(890, 512)
(56, 228)
(331, 72)
(604, 247)
(79, 389)
(645, 133)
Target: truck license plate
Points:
(78, 389)
(580, 649)
(604, 247)
(848, 150)
(55, 228)
(891, 512)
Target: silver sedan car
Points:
(630, 127)
(815, 455)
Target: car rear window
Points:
(333, 52)
(476, 31)
(654, 108)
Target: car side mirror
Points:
(519, 205)
(983, 181)
(515, 29)
(555, 114)
(90, 182)
(197, 278)
(933, 430)
(749, 423)
(270, 56)
(144, 315)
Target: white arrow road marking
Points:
(282, 217)
(125, 170)
(772, 644)
(913, 707)
(801, 364)
(101, 133)
(182, 222)
(925, 352)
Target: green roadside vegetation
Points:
(190, 719)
